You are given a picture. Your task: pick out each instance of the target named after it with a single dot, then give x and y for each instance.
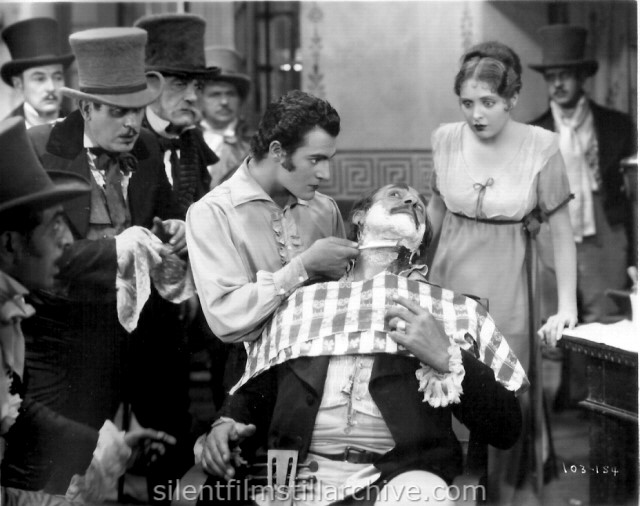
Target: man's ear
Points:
(276, 150)
(16, 82)
(10, 244)
(85, 109)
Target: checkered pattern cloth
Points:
(344, 317)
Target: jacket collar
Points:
(67, 139)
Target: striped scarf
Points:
(347, 317)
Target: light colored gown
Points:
(487, 258)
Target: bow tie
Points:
(167, 144)
(127, 162)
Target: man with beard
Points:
(76, 347)
(36, 70)
(266, 230)
(593, 141)
(375, 417)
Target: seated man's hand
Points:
(147, 444)
(217, 446)
(417, 330)
(329, 257)
(173, 233)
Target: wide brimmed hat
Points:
(176, 44)
(32, 43)
(563, 46)
(111, 68)
(23, 180)
(231, 66)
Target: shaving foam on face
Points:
(400, 228)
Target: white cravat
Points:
(575, 135)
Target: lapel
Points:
(312, 371)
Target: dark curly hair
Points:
(365, 203)
(493, 63)
(289, 119)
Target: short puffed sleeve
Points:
(442, 140)
(553, 188)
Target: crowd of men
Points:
(155, 169)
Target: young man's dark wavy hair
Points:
(289, 119)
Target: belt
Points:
(352, 455)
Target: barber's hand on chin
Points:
(216, 454)
(329, 257)
(173, 233)
(421, 335)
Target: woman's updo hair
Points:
(492, 63)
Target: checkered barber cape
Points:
(347, 317)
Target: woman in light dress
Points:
(492, 175)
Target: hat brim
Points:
(14, 67)
(141, 98)
(589, 66)
(200, 72)
(56, 194)
(240, 81)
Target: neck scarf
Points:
(576, 138)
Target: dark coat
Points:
(283, 403)
(617, 139)
(191, 179)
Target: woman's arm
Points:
(564, 251)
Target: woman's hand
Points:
(552, 330)
(417, 330)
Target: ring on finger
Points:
(401, 326)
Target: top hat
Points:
(23, 181)
(32, 43)
(563, 46)
(176, 44)
(231, 67)
(111, 68)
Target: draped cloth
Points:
(578, 146)
(347, 317)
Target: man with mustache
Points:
(223, 96)
(36, 70)
(78, 349)
(593, 141)
(375, 419)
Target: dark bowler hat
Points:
(563, 46)
(111, 68)
(23, 181)
(176, 44)
(32, 43)
(231, 67)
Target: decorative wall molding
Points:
(466, 28)
(315, 78)
(355, 172)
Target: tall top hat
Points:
(176, 44)
(111, 68)
(231, 67)
(23, 181)
(32, 43)
(563, 46)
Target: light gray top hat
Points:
(231, 65)
(111, 68)
(563, 46)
